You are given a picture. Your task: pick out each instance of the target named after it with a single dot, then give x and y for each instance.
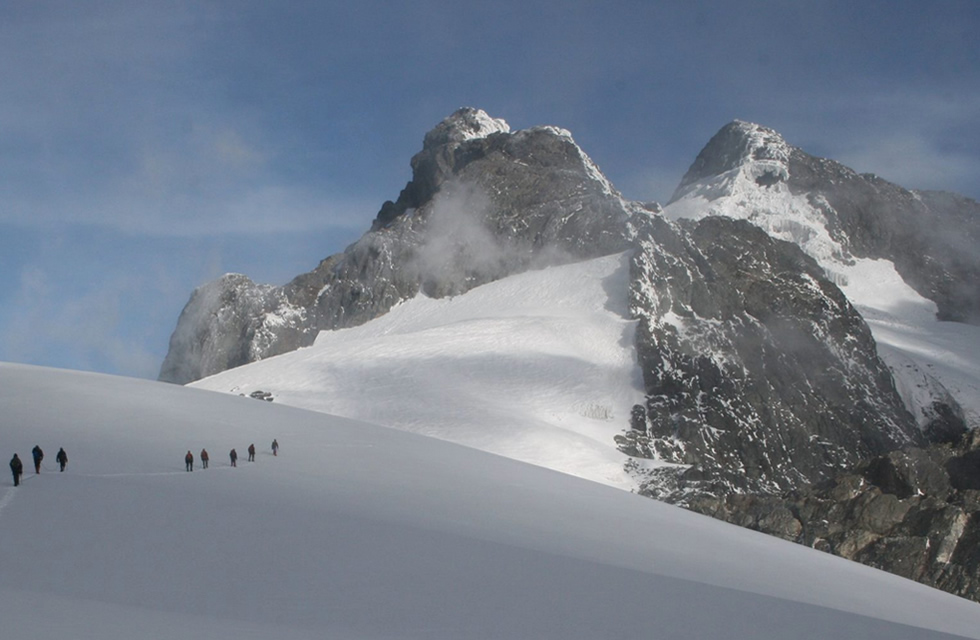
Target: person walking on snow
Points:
(251, 453)
(62, 458)
(189, 461)
(38, 456)
(204, 458)
(17, 468)
(275, 447)
(234, 458)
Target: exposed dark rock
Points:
(914, 513)
(758, 372)
(908, 473)
(638, 418)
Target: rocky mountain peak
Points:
(466, 123)
(839, 217)
(483, 203)
(439, 159)
(740, 146)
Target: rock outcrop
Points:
(759, 374)
(915, 513)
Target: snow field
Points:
(538, 367)
(359, 531)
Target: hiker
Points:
(62, 458)
(275, 447)
(38, 456)
(17, 468)
(189, 461)
(204, 458)
(251, 453)
(234, 457)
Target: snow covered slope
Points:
(751, 180)
(358, 531)
(539, 367)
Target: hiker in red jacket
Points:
(204, 458)
(189, 461)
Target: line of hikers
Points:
(17, 467)
(232, 455)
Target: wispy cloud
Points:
(918, 139)
(45, 323)
(119, 119)
(912, 160)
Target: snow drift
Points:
(358, 531)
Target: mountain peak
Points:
(740, 144)
(466, 123)
(759, 142)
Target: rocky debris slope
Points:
(483, 203)
(759, 374)
(915, 513)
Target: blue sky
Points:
(147, 147)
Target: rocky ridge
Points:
(483, 203)
(839, 216)
(885, 246)
(759, 374)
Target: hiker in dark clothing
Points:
(38, 456)
(189, 461)
(62, 458)
(275, 447)
(204, 458)
(17, 468)
(234, 458)
(251, 453)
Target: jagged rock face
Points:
(229, 322)
(933, 245)
(758, 372)
(915, 513)
(483, 203)
(931, 237)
